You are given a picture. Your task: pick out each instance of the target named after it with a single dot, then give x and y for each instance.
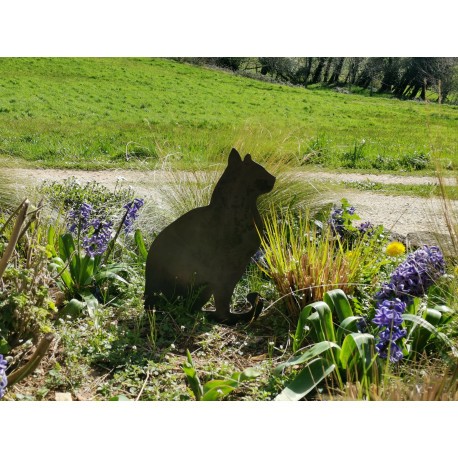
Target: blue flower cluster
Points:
(97, 242)
(3, 379)
(337, 220)
(132, 213)
(79, 219)
(411, 279)
(365, 228)
(96, 233)
(340, 221)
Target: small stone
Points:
(63, 397)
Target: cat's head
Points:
(256, 178)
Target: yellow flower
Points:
(395, 249)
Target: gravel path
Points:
(401, 214)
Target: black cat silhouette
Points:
(205, 252)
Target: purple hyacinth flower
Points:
(98, 242)
(79, 218)
(132, 214)
(3, 378)
(366, 228)
(411, 279)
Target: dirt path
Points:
(401, 214)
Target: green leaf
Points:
(321, 321)
(429, 327)
(249, 373)
(91, 303)
(74, 309)
(319, 316)
(217, 389)
(67, 252)
(358, 349)
(4, 346)
(446, 313)
(301, 331)
(309, 354)
(217, 383)
(104, 274)
(347, 326)
(143, 252)
(86, 271)
(191, 376)
(58, 265)
(338, 301)
(51, 238)
(432, 316)
(308, 379)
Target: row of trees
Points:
(404, 77)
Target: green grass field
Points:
(95, 113)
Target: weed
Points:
(352, 159)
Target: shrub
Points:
(26, 308)
(415, 161)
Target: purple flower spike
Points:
(3, 379)
(132, 214)
(79, 218)
(411, 279)
(98, 242)
(366, 228)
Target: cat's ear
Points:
(247, 158)
(234, 157)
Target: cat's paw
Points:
(257, 302)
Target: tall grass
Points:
(305, 259)
(180, 191)
(450, 213)
(302, 263)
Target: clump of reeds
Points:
(302, 260)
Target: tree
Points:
(318, 70)
(278, 67)
(354, 64)
(337, 70)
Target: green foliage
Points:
(346, 354)
(79, 274)
(425, 322)
(415, 161)
(140, 243)
(26, 308)
(90, 279)
(69, 194)
(339, 349)
(25, 304)
(214, 390)
(351, 159)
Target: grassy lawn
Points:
(95, 113)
